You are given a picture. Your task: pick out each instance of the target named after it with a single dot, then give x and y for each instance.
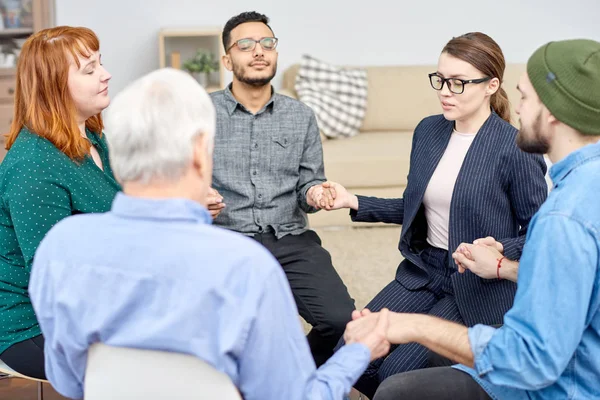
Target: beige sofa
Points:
(375, 162)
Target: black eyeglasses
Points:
(455, 85)
(248, 44)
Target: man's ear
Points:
(547, 116)
(200, 158)
(226, 60)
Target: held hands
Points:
(370, 329)
(465, 247)
(320, 197)
(491, 242)
(481, 257)
(342, 198)
(214, 202)
(486, 241)
(331, 196)
(401, 328)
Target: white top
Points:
(438, 194)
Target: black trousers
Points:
(321, 296)
(441, 383)
(26, 357)
(436, 299)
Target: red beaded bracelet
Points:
(499, 266)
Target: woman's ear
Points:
(493, 86)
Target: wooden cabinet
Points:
(7, 92)
(18, 20)
(7, 88)
(2, 148)
(178, 45)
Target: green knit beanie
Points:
(566, 77)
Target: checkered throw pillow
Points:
(338, 96)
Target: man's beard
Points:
(240, 73)
(532, 141)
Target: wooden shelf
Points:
(15, 32)
(189, 32)
(42, 16)
(7, 71)
(185, 41)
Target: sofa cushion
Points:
(378, 159)
(338, 96)
(399, 98)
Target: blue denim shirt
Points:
(549, 346)
(155, 274)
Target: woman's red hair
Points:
(43, 103)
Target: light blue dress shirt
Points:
(549, 346)
(155, 274)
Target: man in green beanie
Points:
(549, 345)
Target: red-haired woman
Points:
(57, 165)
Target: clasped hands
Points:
(330, 196)
(322, 196)
(371, 330)
(481, 257)
(378, 330)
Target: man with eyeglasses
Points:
(268, 173)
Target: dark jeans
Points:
(436, 298)
(321, 296)
(436, 360)
(26, 357)
(442, 383)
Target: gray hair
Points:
(152, 125)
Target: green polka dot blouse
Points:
(39, 186)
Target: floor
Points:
(22, 389)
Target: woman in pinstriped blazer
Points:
(467, 180)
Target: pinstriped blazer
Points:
(498, 189)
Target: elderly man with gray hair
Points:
(153, 273)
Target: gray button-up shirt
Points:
(264, 164)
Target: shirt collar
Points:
(92, 137)
(232, 102)
(561, 169)
(160, 209)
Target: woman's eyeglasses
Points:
(455, 85)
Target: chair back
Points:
(118, 373)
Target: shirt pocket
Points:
(286, 152)
(282, 141)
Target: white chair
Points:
(123, 373)
(8, 370)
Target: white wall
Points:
(380, 32)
